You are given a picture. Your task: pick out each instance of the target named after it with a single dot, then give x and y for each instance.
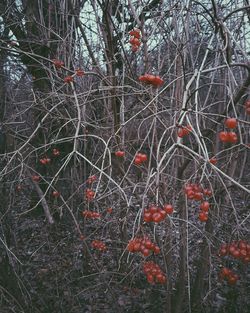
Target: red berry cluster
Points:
(98, 245)
(237, 249)
(229, 137)
(135, 36)
(247, 106)
(143, 245)
(157, 214)
(154, 273)
(45, 161)
(196, 192)
(149, 79)
(140, 158)
(184, 131)
(58, 64)
(89, 194)
(119, 153)
(229, 275)
(90, 214)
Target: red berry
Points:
(225, 271)
(157, 217)
(79, 72)
(134, 48)
(156, 250)
(137, 161)
(207, 192)
(168, 208)
(198, 196)
(135, 41)
(163, 213)
(232, 280)
(109, 210)
(119, 153)
(136, 33)
(57, 63)
(147, 217)
(180, 133)
(35, 178)
(213, 160)
(223, 136)
(232, 137)
(55, 194)
(231, 123)
(68, 79)
(157, 81)
(143, 157)
(150, 278)
(222, 252)
(203, 217)
(55, 152)
(153, 209)
(145, 252)
(205, 206)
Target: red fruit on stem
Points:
(119, 153)
(231, 123)
(213, 160)
(207, 192)
(223, 252)
(134, 48)
(156, 250)
(180, 133)
(135, 41)
(157, 217)
(205, 206)
(79, 72)
(223, 136)
(36, 178)
(168, 208)
(55, 194)
(157, 81)
(203, 217)
(232, 137)
(163, 213)
(55, 152)
(150, 278)
(146, 252)
(109, 210)
(68, 79)
(153, 209)
(137, 161)
(58, 64)
(136, 33)
(225, 271)
(147, 217)
(198, 196)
